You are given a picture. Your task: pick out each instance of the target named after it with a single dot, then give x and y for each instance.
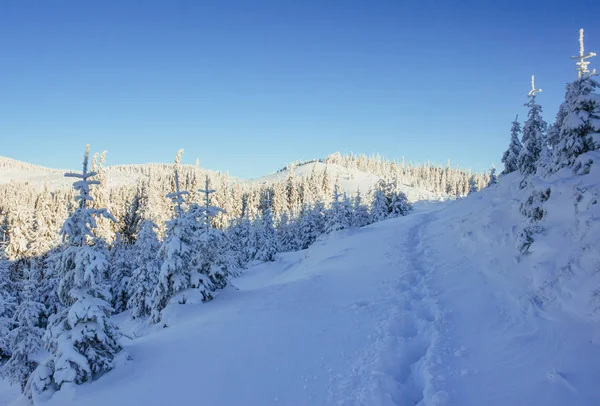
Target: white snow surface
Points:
(429, 309)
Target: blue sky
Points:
(248, 86)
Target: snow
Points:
(350, 179)
(434, 308)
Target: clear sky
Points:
(248, 86)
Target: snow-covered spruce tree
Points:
(338, 214)
(132, 218)
(379, 206)
(101, 198)
(360, 212)
(493, 177)
(8, 303)
(176, 251)
(82, 339)
(43, 227)
(472, 185)
(579, 131)
(121, 268)
(397, 201)
(145, 275)
(534, 138)
(311, 224)
(266, 237)
(26, 338)
(214, 260)
(510, 159)
(288, 237)
(239, 234)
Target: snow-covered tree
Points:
(145, 275)
(288, 234)
(176, 251)
(266, 237)
(510, 159)
(493, 177)
(311, 224)
(579, 131)
(82, 338)
(44, 226)
(360, 212)
(8, 303)
(534, 138)
(26, 338)
(338, 215)
(121, 267)
(472, 185)
(397, 200)
(379, 205)
(214, 259)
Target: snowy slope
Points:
(429, 309)
(350, 179)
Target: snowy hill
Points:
(128, 175)
(350, 180)
(435, 308)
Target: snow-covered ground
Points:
(429, 309)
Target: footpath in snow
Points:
(419, 310)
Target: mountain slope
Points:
(434, 308)
(127, 175)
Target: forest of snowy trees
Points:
(569, 147)
(69, 260)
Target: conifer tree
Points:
(266, 238)
(82, 338)
(379, 205)
(8, 303)
(472, 185)
(176, 251)
(145, 275)
(493, 178)
(533, 134)
(26, 338)
(577, 133)
(510, 159)
(360, 212)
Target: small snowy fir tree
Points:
(288, 237)
(26, 338)
(579, 131)
(311, 224)
(121, 264)
(533, 134)
(379, 206)
(145, 275)
(176, 251)
(81, 338)
(213, 260)
(473, 185)
(493, 178)
(266, 237)
(8, 304)
(360, 212)
(397, 201)
(510, 159)
(338, 214)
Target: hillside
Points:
(351, 180)
(435, 308)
